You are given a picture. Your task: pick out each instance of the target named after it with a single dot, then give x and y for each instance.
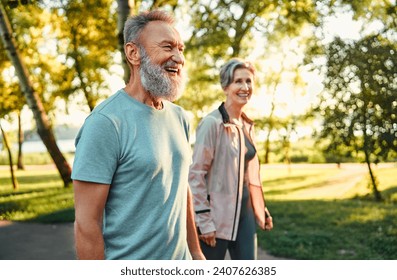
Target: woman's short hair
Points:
(135, 24)
(227, 70)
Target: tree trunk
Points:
(33, 100)
(377, 194)
(7, 146)
(267, 147)
(270, 127)
(20, 165)
(275, 83)
(124, 8)
(90, 100)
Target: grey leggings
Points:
(245, 245)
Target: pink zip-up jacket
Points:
(217, 173)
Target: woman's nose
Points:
(245, 86)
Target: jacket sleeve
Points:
(203, 154)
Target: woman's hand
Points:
(268, 220)
(208, 238)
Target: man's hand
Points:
(197, 255)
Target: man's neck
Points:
(137, 91)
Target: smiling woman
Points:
(224, 175)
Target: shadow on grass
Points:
(388, 196)
(9, 194)
(61, 216)
(294, 189)
(28, 205)
(34, 179)
(290, 179)
(390, 193)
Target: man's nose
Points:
(178, 57)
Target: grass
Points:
(350, 227)
(36, 158)
(40, 197)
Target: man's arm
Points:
(89, 199)
(192, 237)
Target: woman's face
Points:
(239, 91)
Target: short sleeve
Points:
(97, 150)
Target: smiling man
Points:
(130, 173)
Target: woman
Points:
(224, 176)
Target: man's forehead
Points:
(160, 31)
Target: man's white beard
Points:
(156, 81)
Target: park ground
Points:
(35, 241)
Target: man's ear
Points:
(132, 53)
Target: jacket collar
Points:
(226, 118)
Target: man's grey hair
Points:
(227, 70)
(135, 24)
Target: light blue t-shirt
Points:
(144, 155)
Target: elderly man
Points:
(130, 172)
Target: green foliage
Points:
(89, 43)
(67, 47)
(11, 98)
(359, 108)
(224, 29)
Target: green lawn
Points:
(354, 227)
(39, 198)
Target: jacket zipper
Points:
(238, 183)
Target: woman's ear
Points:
(132, 53)
(225, 90)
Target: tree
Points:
(34, 102)
(223, 29)
(9, 100)
(84, 33)
(7, 146)
(360, 108)
(358, 105)
(124, 8)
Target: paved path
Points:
(33, 241)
